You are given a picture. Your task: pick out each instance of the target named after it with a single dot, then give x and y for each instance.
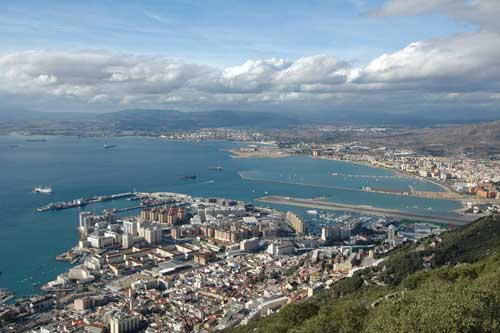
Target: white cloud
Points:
(467, 61)
(424, 74)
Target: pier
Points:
(363, 209)
(84, 201)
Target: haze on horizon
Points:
(337, 56)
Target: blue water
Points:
(335, 174)
(29, 240)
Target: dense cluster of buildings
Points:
(199, 265)
(472, 178)
(462, 171)
(228, 134)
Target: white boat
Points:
(43, 189)
(312, 212)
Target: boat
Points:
(109, 146)
(189, 177)
(218, 168)
(312, 212)
(43, 189)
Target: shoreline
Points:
(394, 193)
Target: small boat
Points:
(109, 146)
(312, 212)
(43, 189)
(218, 168)
(189, 177)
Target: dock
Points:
(363, 209)
(83, 201)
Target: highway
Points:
(369, 210)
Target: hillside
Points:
(176, 120)
(483, 138)
(456, 291)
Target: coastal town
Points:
(473, 181)
(172, 262)
(201, 264)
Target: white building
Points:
(280, 249)
(122, 323)
(127, 241)
(130, 227)
(249, 244)
(153, 235)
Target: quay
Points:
(84, 201)
(126, 209)
(369, 210)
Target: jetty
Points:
(84, 201)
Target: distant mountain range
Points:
(147, 119)
(170, 119)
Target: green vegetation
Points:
(447, 284)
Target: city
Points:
(200, 264)
(250, 166)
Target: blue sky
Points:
(217, 32)
(331, 55)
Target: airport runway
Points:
(369, 210)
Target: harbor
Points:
(84, 201)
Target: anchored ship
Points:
(43, 189)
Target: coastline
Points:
(237, 153)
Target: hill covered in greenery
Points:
(448, 283)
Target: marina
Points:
(365, 209)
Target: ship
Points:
(218, 168)
(189, 177)
(109, 146)
(43, 189)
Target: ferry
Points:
(43, 189)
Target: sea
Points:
(82, 167)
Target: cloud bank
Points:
(461, 71)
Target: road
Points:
(318, 204)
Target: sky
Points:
(332, 55)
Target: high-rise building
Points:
(87, 222)
(391, 233)
(127, 241)
(296, 223)
(153, 235)
(130, 227)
